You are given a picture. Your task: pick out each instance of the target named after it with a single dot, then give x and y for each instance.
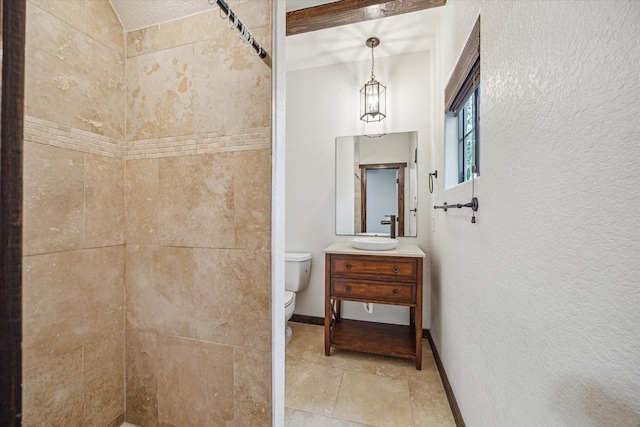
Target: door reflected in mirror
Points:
(376, 177)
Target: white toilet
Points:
(297, 268)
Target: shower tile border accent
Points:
(203, 143)
(49, 133)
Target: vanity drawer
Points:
(374, 267)
(394, 293)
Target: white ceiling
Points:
(301, 4)
(136, 14)
(407, 33)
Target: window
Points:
(469, 137)
(462, 110)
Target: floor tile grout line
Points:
(413, 418)
(335, 402)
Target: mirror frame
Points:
(400, 167)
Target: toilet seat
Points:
(289, 298)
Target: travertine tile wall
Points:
(179, 192)
(74, 215)
(198, 179)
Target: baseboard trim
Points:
(312, 320)
(453, 403)
(426, 333)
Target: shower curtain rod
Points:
(242, 30)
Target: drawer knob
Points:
(348, 266)
(395, 292)
(396, 269)
(348, 288)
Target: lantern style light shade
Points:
(373, 95)
(373, 106)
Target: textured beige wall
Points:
(198, 179)
(74, 223)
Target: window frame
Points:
(463, 84)
(462, 135)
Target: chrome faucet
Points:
(392, 224)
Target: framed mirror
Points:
(376, 176)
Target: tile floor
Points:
(351, 389)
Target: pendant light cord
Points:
(373, 77)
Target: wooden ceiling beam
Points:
(350, 12)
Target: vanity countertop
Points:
(402, 250)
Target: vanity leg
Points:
(333, 314)
(327, 327)
(418, 332)
(418, 318)
(412, 317)
(327, 306)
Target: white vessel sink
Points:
(373, 243)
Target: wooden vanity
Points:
(381, 277)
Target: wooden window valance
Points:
(466, 75)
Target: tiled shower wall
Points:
(74, 222)
(179, 193)
(198, 185)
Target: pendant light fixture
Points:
(373, 105)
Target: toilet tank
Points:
(297, 268)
